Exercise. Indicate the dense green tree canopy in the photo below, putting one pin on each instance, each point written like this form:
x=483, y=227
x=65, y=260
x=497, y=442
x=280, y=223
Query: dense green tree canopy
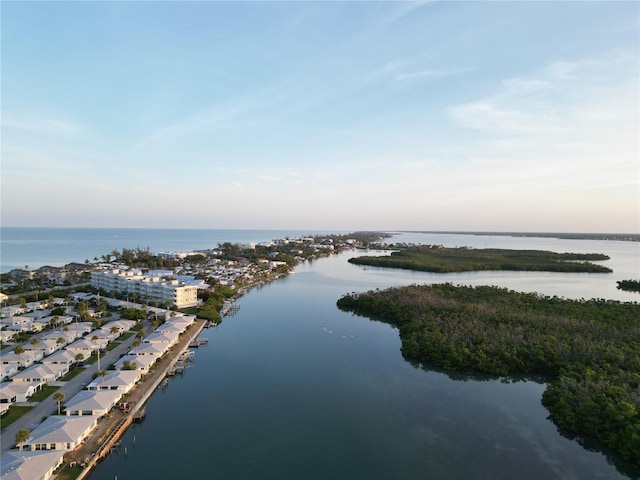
x=433, y=258
x=592, y=347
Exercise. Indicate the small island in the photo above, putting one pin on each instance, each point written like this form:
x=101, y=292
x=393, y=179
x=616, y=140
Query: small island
x=589, y=347
x=629, y=285
x=438, y=259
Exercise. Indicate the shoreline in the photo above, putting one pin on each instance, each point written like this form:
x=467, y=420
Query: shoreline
x=110, y=429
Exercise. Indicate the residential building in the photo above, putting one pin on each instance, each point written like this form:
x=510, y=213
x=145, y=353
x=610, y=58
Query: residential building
x=28, y=465
x=160, y=286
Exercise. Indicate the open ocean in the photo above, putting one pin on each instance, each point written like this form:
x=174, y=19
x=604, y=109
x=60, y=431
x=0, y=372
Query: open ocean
x=37, y=247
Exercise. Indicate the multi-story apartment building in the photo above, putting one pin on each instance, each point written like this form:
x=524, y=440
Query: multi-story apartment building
x=157, y=286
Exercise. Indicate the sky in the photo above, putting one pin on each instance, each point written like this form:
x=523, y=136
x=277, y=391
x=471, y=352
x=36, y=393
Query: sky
x=344, y=115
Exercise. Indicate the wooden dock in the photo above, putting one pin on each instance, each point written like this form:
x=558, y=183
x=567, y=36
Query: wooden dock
x=149, y=384
x=199, y=342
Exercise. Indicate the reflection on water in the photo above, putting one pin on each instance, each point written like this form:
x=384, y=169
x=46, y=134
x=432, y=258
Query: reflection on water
x=291, y=387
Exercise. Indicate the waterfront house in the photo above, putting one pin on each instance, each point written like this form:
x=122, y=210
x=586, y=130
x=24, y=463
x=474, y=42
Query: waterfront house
x=142, y=363
x=153, y=350
x=28, y=465
x=92, y=402
x=166, y=338
x=61, y=432
x=120, y=380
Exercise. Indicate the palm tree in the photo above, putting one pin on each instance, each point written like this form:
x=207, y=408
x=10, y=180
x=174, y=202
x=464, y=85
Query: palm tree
x=94, y=338
x=19, y=350
x=58, y=397
x=102, y=374
x=79, y=357
x=22, y=436
x=34, y=341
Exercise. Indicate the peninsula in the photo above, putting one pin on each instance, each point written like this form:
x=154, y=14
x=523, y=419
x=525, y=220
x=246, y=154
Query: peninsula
x=589, y=347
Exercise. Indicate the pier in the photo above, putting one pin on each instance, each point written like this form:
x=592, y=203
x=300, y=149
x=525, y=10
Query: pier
x=199, y=342
x=230, y=308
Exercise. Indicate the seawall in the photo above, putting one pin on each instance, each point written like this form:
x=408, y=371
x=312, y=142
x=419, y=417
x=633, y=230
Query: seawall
x=117, y=425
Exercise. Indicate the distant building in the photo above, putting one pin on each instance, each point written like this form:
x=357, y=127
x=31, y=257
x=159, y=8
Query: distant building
x=160, y=286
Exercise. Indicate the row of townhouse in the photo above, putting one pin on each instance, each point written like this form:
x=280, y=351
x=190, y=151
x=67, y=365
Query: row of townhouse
x=77, y=338
x=158, y=286
x=43, y=452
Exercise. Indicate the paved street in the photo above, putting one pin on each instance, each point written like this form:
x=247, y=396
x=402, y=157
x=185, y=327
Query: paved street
x=34, y=417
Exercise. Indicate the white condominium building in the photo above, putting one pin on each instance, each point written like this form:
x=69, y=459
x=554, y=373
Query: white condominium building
x=159, y=286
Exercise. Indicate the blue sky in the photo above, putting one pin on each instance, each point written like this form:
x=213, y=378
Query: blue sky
x=512, y=116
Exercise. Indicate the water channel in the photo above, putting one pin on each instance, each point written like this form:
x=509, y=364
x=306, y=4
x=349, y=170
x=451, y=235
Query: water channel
x=292, y=388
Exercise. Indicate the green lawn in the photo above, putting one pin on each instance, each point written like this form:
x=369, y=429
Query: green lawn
x=12, y=415
x=44, y=393
x=73, y=372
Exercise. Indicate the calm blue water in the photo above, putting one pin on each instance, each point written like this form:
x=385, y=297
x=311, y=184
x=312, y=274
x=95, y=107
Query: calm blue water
x=36, y=247
x=292, y=388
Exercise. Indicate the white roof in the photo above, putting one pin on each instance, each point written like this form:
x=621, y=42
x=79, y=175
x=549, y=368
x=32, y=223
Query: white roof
x=117, y=378
x=61, y=356
x=41, y=370
x=19, y=387
x=27, y=465
x=156, y=349
x=172, y=327
x=86, y=344
x=162, y=337
x=142, y=361
x=93, y=400
x=121, y=324
x=11, y=357
x=62, y=429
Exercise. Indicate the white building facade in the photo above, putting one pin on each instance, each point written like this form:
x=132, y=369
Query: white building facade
x=166, y=288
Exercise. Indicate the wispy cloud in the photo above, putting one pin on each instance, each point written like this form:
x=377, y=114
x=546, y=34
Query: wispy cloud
x=426, y=74
x=552, y=99
x=40, y=124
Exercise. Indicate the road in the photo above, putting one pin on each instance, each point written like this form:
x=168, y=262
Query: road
x=49, y=406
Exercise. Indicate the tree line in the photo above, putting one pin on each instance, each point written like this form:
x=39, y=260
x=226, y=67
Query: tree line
x=591, y=347
x=430, y=258
x=629, y=285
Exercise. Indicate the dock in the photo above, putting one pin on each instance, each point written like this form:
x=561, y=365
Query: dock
x=138, y=398
x=199, y=342
x=229, y=308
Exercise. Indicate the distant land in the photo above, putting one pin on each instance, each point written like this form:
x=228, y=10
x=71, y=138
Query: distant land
x=624, y=237
x=435, y=258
